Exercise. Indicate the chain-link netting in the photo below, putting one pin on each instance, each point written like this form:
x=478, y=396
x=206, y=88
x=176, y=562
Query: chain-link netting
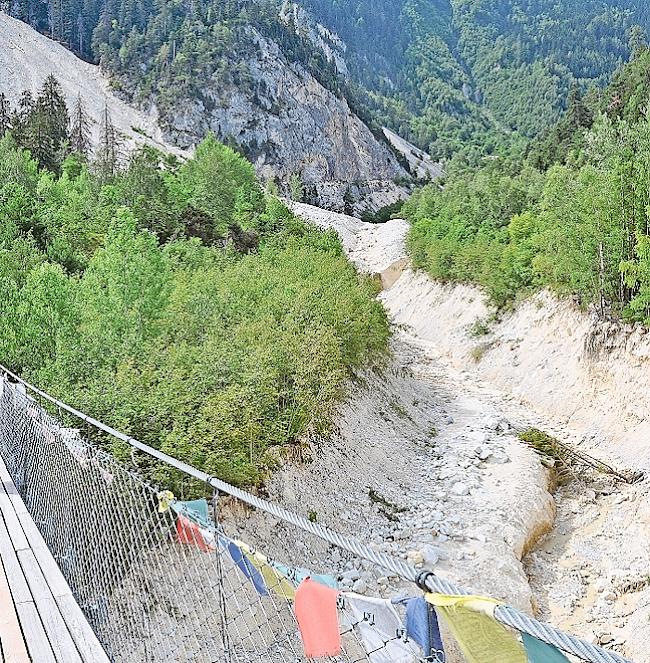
x=159, y=579
x=167, y=579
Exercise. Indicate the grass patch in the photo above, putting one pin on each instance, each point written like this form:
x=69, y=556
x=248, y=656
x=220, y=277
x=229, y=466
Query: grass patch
x=400, y=410
x=478, y=352
x=386, y=507
x=479, y=328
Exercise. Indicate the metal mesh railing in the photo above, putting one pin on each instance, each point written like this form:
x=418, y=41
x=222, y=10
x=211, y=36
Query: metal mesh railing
x=157, y=582
x=165, y=580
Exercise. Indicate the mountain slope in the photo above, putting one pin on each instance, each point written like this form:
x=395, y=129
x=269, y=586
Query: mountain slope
x=289, y=124
x=27, y=58
x=305, y=87
x=448, y=74
x=247, y=91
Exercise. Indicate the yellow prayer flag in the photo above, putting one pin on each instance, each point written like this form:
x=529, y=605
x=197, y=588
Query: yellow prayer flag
x=480, y=637
x=273, y=579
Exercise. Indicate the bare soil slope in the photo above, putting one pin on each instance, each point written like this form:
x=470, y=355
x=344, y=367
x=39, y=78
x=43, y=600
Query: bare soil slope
x=27, y=58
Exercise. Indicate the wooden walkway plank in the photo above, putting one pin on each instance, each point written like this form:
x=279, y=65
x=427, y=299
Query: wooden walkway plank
x=33, y=534
x=53, y=625
x=35, y=636
x=14, y=649
x=87, y=643
x=60, y=639
x=10, y=488
x=14, y=528
x=19, y=587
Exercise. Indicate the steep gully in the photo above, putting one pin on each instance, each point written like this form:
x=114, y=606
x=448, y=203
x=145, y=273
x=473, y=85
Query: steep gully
x=426, y=464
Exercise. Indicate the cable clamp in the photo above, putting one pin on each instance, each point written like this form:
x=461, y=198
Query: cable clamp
x=421, y=580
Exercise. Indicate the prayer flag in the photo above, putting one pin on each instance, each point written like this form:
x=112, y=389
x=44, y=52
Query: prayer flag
x=296, y=576
x=273, y=579
x=317, y=616
x=480, y=637
x=191, y=534
x=165, y=499
x=247, y=568
x=381, y=629
x=540, y=652
x=422, y=626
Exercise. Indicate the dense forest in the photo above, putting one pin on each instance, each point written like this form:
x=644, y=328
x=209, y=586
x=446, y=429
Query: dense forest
x=478, y=75
x=177, y=301
x=450, y=75
x=572, y=215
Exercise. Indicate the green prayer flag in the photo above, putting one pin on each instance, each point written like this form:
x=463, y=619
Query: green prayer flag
x=540, y=652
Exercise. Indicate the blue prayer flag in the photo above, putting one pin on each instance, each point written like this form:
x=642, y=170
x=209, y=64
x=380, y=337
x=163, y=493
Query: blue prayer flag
x=247, y=568
x=422, y=626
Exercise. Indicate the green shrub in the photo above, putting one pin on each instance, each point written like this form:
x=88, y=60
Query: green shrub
x=216, y=353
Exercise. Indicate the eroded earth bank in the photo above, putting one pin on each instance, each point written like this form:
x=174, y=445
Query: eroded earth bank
x=426, y=463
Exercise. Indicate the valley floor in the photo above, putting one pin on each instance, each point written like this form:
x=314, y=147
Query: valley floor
x=426, y=465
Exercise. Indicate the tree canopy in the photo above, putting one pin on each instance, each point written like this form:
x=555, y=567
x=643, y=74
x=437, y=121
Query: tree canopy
x=176, y=301
x=573, y=215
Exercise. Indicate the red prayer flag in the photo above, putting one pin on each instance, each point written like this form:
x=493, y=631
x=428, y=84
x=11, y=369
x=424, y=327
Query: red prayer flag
x=318, y=620
x=190, y=533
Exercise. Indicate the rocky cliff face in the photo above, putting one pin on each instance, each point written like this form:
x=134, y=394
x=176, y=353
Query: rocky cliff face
x=321, y=37
x=287, y=118
x=289, y=124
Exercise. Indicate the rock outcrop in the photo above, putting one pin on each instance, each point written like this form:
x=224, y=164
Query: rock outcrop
x=288, y=124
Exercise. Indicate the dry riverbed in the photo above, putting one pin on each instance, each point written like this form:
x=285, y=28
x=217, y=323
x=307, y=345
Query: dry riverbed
x=426, y=464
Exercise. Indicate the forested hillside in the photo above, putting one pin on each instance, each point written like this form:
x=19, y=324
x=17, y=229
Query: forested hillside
x=454, y=75
x=176, y=301
x=449, y=75
x=573, y=215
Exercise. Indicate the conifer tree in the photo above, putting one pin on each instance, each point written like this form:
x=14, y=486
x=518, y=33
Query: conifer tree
x=107, y=161
x=50, y=123
x=80, y=130
x=5, y=115
x=21, y=120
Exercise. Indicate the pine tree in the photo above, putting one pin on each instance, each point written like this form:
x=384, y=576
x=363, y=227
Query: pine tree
x=50, y=126
x=80, y=130
x=22, y=121
x=107, y=161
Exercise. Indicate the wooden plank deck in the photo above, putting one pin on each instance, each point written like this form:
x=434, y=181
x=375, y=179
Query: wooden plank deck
x=40, y=620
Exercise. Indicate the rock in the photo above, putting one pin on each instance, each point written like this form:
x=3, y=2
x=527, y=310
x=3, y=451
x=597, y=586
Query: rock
x=402, y=535
x=360, y=586
x=352, y=575
x=484, y=453
x=460, y=489
x=500, y=458
x=335, y=154
x=415, y=557
x=430, y=555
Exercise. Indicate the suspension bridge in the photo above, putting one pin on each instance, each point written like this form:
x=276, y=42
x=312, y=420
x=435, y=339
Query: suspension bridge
x=99, y=564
